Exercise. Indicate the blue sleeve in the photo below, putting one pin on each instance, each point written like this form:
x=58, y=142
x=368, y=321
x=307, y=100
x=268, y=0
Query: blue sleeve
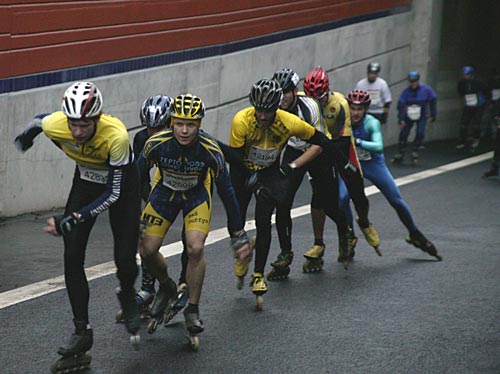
x=402, y=105
x=227, y=195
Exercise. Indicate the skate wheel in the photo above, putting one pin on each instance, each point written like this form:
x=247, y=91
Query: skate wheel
x=439, y=258
x=239, y=282
x=135, y=340
x=346, y=264
x=194, y=342
x=260, y=303
x=152, y=326
x=119, y=316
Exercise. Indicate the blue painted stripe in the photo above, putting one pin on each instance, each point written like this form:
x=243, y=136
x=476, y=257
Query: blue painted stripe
x=91, y=71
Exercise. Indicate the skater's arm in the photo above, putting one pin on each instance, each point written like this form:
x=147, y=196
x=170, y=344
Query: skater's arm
x=376, y=142
x=24, y=141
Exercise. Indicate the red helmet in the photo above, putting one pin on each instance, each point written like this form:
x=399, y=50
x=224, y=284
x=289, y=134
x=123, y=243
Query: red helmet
x=316, y=83
x=359, y=97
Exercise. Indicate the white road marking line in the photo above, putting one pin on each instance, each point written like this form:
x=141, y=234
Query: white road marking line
x=38, y=289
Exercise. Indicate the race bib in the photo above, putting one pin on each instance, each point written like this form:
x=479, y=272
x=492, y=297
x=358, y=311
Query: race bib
x=179, y=182
x=495, y=94
x=375, y=96
x=93, y=175
x=414, y=112
x=298, y=143
x=363, y=154
x=471, y=100
x=263, y=156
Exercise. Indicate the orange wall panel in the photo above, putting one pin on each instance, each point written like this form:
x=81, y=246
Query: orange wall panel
x=44, y=36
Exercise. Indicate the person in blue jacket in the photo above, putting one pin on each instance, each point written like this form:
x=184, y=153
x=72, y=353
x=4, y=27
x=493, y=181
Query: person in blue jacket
x=367, y=133
x=416, y=104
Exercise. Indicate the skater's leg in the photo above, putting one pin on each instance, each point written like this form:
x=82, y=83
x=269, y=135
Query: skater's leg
x=195, y=271
x=184, y=258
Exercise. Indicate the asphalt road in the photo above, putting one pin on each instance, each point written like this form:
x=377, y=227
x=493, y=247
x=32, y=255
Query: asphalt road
x=403, y=312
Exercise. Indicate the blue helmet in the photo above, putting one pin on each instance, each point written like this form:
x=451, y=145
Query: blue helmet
x=467, y=70
x=413, y=76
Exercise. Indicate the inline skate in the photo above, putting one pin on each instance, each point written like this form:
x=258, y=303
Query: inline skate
x=371, y=236
x=241, y=266
x=259, y=288
x=281, y=266
x=418, y=240
x=165, y=299
x=179, y=304
x=415, y=158
x=74, y=355
x=131, y=316
x=194, y=326
x=143, y=298
x=314, y=259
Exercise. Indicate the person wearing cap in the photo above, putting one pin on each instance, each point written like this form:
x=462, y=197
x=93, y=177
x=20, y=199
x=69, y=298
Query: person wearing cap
x=379, y=91
x=473, y=94
x=416, y=104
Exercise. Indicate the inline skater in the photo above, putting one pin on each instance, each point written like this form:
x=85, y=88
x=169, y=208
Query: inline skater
x=416, y=103
x=473, y=93
x=325, y=189
x=155, y=117
x=188, y=163
x=259, y=134
x=106, y=177
x=378, y=90
x=338, y=124
x=368, y=137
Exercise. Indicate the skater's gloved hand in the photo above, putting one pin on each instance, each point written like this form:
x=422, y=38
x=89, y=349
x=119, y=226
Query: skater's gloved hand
x=241, y=245
x=287, y=169
x=61, y=225
x=383, y=118
x=253, y=185
x=358, y=141
x=23, y=143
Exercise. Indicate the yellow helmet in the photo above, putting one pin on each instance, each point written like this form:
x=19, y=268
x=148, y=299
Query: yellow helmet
x=187, y=107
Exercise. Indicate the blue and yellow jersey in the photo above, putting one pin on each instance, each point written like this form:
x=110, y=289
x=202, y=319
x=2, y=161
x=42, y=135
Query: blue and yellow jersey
x=182, y=168
x=109, y=146
x=337, y=116
x=263, y=145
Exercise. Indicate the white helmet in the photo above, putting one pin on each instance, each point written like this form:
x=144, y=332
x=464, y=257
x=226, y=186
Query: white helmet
x=82, y=100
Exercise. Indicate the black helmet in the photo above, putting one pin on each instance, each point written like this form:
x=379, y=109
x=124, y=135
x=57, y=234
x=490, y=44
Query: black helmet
x=287, y=79
x=155, y=111
x=265, y=94
x=373, y=67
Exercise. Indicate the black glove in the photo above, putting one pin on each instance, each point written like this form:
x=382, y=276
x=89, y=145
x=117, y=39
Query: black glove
x=383, y=118
x=64, y=224
x=253, y=185
x=239, y=240
x=23, y=142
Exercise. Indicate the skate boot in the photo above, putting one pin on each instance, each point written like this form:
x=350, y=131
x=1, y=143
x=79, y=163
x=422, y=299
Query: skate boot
x=281, y=266
x=474, y=143
x=420, y=241
x=241, y=267
x=314, y=259
x=143, y=298
x=74, y=356
x=415, y=158
x=493, y=172
x=164, y=300
x=398, y=158
x=347, y=243
x=259, y=288
x=371, y=237
x=180, y=302
x=194, y=326
x=131, y=316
